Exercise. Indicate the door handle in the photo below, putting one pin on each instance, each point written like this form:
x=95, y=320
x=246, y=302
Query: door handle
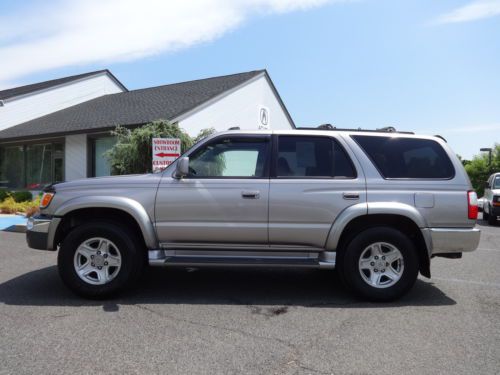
x=350, y=195
x=250, y=194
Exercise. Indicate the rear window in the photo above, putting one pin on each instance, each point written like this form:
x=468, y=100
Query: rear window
x=407, y=157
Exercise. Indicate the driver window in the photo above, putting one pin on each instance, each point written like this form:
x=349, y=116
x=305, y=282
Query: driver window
x=230, y=157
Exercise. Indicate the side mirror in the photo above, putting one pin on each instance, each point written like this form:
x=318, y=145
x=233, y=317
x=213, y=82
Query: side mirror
x=182, y=167
x=487, y=185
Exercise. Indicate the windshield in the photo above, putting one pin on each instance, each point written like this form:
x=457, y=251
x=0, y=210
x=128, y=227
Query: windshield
x=496, y=182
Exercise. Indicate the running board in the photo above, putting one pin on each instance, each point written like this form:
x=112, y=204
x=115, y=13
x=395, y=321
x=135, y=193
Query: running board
x=214, y=258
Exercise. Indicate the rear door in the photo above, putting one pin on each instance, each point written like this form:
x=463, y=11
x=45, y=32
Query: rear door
x=313, y=180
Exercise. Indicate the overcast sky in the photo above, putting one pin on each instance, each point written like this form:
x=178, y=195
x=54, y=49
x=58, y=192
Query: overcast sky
x=422, y=65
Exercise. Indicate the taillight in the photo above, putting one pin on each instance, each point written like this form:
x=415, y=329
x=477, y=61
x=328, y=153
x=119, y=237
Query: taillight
x=496, y=201
x=472, y=204
x=46, y=199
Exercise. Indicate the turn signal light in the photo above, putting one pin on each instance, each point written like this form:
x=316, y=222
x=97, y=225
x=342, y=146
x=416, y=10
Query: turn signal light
x=472, y=204
x=46, y=199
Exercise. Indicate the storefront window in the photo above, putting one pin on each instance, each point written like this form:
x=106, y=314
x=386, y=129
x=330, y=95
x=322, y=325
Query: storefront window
x=100, y=162
x=11, y=166
x=31, y=166
x=38, y=165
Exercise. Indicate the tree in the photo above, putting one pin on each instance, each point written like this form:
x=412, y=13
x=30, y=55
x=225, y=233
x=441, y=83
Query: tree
x=479, y=169
x=132, y=152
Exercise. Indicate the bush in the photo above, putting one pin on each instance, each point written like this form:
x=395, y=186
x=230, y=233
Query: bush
x=29, y=208
x=4, y=193
x=22, y=196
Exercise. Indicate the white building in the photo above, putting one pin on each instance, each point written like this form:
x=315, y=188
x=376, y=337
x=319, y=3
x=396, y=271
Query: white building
x=58, y=130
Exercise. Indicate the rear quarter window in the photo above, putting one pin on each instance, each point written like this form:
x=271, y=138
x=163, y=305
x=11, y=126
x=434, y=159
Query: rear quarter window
x=407, y=157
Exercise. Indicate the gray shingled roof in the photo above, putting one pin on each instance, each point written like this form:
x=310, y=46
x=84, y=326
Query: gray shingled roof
x=129, y=108
x=23, y=90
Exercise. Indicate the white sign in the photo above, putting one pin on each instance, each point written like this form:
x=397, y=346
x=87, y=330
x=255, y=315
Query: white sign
x=264, y=120
x=165, y=151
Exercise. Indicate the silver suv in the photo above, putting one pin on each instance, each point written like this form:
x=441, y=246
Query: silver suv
x=377, y=206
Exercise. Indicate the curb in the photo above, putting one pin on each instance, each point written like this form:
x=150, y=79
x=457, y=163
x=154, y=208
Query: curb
x=17, y=228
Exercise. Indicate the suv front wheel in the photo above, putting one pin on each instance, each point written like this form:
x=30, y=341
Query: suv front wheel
x=97, y=260
x=380, y=264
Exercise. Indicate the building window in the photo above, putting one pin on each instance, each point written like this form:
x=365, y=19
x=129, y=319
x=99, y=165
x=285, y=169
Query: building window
x=31, y=166
x=12, y=166
x=100, y=163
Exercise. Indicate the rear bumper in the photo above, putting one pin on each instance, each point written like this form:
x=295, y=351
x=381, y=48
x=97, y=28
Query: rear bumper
x=38, y=232
x=451, y=240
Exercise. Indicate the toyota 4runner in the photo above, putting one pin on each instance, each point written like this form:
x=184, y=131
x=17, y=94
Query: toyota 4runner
x=375, y=205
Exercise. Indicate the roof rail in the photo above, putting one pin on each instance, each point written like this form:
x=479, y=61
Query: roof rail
x=387, y=129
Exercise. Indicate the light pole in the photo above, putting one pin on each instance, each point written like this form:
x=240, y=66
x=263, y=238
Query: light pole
x=489, y=150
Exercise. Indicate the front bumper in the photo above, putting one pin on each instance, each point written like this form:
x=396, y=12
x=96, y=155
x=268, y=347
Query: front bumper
x=451, y=240
x=38, y=232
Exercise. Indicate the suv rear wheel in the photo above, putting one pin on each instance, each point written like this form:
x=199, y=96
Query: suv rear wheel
x=97, y=260
x=380, y=264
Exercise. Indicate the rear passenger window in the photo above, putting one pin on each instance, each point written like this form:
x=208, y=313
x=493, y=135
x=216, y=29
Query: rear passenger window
x=320, y=157
x=407, y=157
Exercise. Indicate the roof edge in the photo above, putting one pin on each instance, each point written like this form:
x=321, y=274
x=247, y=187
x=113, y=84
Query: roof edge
x=90, y=74
x=116, y=80
x=280, y=101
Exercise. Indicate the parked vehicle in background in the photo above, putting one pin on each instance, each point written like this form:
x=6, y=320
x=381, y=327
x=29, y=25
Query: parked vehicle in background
x=376, y=205
x=491, y=209
x=480, y=204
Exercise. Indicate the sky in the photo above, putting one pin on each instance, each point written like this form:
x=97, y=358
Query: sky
x=432, y=67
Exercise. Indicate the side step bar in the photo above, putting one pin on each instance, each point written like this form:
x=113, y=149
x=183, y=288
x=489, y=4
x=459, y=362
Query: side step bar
x=186, y=258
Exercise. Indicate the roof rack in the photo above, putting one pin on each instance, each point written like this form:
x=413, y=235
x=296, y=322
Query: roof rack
x=387, y=129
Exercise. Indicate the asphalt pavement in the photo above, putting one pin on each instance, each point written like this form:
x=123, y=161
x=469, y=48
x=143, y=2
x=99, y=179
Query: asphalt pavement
x=250, y=321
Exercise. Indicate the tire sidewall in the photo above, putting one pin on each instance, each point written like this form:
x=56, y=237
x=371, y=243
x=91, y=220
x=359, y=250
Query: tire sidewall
x=124, y=241
x=350, y=263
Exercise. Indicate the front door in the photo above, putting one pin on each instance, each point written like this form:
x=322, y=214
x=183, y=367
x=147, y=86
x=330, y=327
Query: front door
x=313, y=181
x=223, y=200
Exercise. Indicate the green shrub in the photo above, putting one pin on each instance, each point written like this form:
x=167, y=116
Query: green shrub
x=4, y=193
x=22, y=196
x=10, y=206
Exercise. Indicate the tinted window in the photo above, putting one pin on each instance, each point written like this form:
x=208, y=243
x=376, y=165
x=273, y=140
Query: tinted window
x=407, y=157
x=312, y=157
x=230, y=157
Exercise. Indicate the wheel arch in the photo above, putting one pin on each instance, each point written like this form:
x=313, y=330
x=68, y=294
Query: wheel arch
x=344, y=230
x=118, y=209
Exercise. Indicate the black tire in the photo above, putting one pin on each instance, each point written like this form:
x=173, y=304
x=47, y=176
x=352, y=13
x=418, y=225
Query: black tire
x=486, y=216
x=132, y=253
x=350, y=270
x=492, y=219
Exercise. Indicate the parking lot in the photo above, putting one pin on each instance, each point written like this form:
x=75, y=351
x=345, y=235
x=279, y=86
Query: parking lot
x=221, y=321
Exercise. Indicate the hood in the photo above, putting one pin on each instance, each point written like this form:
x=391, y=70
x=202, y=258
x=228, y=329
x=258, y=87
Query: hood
x=136, y=180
